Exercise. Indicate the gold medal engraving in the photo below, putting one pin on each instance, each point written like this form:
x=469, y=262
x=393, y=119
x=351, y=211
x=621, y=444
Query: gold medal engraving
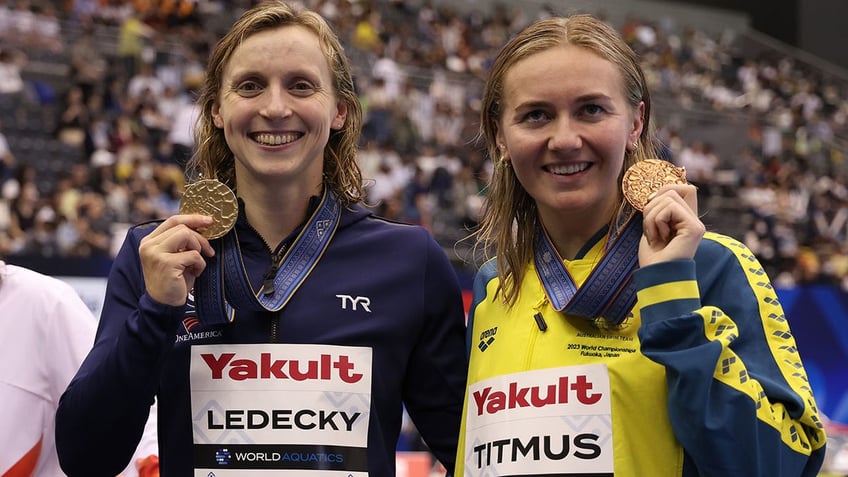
x=213, y=198
x=645, y=178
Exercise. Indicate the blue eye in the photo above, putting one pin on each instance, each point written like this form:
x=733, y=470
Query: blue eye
x=303, y=88
x=593, y=109
x=248, y=88
x=537, y=115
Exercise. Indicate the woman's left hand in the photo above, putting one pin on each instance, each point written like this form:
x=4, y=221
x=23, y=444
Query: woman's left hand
x=671, y=229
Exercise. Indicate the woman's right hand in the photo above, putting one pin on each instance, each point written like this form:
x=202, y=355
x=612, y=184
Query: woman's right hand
x=172, y=257
x=670, y=224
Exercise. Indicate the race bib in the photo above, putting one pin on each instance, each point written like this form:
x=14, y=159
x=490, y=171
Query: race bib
x=280, y=409
x=552, y=422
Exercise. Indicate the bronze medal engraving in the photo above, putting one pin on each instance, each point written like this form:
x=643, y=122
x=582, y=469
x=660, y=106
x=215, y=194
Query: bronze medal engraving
x=213, y=198
x=645, y=178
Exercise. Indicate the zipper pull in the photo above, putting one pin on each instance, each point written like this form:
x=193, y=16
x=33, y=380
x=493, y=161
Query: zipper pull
x=540, y=322
x=271, y=274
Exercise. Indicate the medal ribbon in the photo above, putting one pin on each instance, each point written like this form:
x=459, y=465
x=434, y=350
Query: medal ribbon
x=217, y=299
x=608, y=292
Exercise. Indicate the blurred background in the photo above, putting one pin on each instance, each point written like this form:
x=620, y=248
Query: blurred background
x=96, y=109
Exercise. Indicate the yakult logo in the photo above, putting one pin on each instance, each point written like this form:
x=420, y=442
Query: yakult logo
x=326, y=367
x=567, y=388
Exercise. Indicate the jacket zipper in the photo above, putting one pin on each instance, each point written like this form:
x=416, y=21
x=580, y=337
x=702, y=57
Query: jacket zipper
x=271, y=274
x=268, y=282
x=541, y=326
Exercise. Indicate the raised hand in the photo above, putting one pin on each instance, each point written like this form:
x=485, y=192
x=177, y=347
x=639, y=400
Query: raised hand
x=172, y=257
x=671, y=227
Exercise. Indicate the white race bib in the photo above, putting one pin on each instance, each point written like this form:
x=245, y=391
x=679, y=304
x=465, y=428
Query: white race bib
x=272, y=409
x=552, y=422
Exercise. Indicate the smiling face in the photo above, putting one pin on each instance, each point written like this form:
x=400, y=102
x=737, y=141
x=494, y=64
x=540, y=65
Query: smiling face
x=565, y=125
x=277, y=107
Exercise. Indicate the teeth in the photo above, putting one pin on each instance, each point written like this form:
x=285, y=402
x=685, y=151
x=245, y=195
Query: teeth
x=568, y=168
x=275, y=139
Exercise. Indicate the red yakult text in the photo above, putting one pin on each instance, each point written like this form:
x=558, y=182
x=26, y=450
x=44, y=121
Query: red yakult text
x=578, y=387
x=326, y=367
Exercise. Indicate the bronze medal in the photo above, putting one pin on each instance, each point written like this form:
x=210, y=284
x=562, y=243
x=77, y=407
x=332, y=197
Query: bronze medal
x=645, y=178
x=213, y=198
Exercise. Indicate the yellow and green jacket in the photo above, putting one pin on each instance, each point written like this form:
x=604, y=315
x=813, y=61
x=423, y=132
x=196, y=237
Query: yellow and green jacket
x=704, y=375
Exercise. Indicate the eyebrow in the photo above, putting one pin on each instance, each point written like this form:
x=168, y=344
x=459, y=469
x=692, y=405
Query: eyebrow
x=586, y=98
x=593, y=97
x=531, y=104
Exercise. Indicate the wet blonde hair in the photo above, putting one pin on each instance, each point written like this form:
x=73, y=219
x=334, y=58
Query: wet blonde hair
x=213, y=157
x=508, y=225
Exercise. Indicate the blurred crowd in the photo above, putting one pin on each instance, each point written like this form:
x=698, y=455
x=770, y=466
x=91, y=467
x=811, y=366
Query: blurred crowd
x=96, y=111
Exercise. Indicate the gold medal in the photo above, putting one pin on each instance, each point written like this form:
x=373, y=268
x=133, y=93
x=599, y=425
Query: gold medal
x=644, y=178
x=213, y=198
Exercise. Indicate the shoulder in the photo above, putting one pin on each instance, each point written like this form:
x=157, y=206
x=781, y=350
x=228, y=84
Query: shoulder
x=39, y=291
x=24, y=280
x=725, y=263
x=716, y=241
x=133, y=237
x=719, y=250
x=138, y=231
x=487, y=272
x=383, y=231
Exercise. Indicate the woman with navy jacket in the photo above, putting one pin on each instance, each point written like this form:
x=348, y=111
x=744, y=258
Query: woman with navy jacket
x=291, y=344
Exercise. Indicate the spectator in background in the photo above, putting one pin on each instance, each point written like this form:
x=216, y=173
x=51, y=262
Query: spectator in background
x=416, y=205
x=74, y=118
x=88, y=64
x=46, y=29
x=133, y=38
x=181, y=129
x=94, y=227
x=7, y=158
x=700, y=161
x=378, y=112
x=145, y=82
x=12, y=62
x=23, y=210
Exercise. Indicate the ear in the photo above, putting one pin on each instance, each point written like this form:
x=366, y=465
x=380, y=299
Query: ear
x=216, y=116
x=638, y=125
x=340, y=117
x=500, y=141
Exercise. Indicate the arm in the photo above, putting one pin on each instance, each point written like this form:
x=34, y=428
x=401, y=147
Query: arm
x=738, y=396
x=435, y=385
x=145, y=460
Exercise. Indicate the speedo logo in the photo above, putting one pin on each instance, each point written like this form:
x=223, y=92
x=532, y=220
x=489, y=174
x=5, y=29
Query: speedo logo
x=487, y=338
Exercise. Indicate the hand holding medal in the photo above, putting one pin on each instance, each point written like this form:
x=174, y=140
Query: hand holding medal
x=172, y=256
x=671, y=227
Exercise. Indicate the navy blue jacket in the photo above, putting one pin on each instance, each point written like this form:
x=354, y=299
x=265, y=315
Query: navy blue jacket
x=415, y=329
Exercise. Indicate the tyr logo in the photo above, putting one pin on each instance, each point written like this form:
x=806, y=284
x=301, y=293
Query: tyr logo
x=355, y=302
